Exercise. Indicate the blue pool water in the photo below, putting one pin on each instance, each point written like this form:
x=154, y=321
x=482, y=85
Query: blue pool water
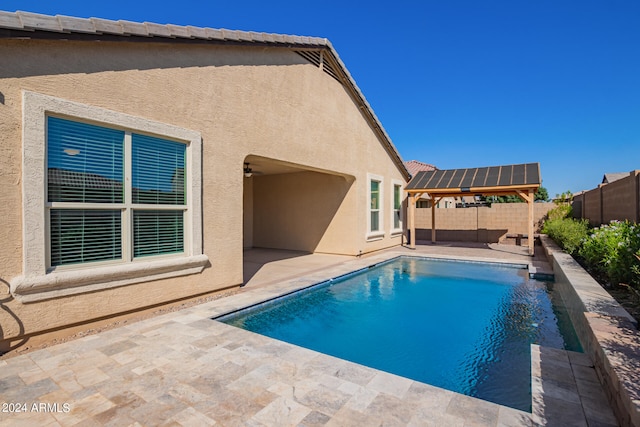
x=463, y=326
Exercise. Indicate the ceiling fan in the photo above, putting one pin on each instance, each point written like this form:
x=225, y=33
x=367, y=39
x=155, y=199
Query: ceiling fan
x=248, y=171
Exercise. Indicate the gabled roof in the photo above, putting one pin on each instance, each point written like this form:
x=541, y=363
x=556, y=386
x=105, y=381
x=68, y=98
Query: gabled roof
x=493, y=179
x=415, y=166
x=318, y=51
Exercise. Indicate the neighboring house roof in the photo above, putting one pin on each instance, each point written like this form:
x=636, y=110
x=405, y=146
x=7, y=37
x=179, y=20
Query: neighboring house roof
x=67, y=178
x=414, y=166
x=318, y=51
x=610, y=177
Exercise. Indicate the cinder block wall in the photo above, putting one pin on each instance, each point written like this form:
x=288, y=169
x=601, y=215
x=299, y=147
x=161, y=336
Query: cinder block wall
x=592, y=206
x=618, y=200
x=484, y=224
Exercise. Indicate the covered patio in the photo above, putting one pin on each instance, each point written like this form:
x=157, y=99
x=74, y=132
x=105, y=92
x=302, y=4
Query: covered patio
x=522, y=180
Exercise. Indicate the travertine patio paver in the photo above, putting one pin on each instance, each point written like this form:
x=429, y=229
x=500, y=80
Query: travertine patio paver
x=182, y=368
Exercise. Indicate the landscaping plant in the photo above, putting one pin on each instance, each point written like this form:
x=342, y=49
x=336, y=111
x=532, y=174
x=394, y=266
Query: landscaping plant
x=610, y=252
x=567, y=232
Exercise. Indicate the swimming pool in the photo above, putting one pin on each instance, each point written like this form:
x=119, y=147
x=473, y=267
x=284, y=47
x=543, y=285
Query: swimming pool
x=463, y=326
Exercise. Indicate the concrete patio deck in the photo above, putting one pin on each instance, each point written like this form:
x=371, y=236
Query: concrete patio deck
x=183, y=368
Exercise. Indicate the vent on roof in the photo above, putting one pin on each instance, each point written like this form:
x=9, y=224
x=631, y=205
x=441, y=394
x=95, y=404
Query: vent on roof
x=320, y=60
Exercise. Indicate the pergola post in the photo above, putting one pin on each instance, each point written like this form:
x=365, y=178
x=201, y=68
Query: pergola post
x=412, y=221
x=434, y=202
x=529, y=197
x=433, y=220
x=531, y=240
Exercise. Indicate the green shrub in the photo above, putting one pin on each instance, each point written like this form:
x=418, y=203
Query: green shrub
x=563, y=207
x=566, y=232
x=610, y=252
x=560, y=212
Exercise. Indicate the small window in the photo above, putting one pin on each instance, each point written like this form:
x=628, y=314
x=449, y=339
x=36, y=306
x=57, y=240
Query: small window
x=397, y=205
x=375, y=206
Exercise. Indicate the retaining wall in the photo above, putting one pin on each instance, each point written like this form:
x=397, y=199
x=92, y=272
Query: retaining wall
x=608, y=334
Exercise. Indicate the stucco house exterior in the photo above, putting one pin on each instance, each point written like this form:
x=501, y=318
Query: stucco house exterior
x=139, y=160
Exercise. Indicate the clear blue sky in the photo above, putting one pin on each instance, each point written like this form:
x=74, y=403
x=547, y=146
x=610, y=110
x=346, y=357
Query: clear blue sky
x=461, y=83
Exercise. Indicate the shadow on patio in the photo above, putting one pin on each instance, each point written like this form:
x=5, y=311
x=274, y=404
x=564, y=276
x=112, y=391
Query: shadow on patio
x=262, y=266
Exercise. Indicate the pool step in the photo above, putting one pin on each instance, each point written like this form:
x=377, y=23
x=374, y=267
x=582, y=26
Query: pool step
x=540, y=274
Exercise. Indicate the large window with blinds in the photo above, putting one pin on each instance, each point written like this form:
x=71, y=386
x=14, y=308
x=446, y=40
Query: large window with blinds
x=113, y=195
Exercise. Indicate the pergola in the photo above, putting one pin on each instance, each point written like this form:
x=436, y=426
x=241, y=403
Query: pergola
x=522, y=180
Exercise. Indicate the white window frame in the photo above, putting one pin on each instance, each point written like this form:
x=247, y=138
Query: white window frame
x=39, y=281
x=377, y=234
x=396, y=230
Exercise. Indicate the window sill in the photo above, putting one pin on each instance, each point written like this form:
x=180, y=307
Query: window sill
x=73, y=282
x=396, y=233
x=378, y=235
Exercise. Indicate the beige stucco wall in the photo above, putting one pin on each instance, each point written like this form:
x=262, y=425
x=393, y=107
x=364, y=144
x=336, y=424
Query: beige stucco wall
x=285, y=203
x=244, y=101
x=247, y=214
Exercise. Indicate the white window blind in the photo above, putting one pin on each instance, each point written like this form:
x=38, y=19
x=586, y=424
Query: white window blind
x=85, y=162
x=157, y=170
x=157, y=232
x=81, y=235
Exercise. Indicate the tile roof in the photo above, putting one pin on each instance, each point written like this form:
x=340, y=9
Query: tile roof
x=415, y=166
x=27, y=21
x=26, y=24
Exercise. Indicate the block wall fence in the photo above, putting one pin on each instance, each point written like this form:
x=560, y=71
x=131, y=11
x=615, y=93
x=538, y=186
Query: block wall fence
x=479, y=224
x=618, y=200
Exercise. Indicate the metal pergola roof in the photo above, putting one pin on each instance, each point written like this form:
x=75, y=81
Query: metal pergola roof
x=522, y=180
x=493, y=180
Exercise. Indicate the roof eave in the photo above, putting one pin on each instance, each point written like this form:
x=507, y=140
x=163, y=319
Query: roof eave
x=512, y=189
